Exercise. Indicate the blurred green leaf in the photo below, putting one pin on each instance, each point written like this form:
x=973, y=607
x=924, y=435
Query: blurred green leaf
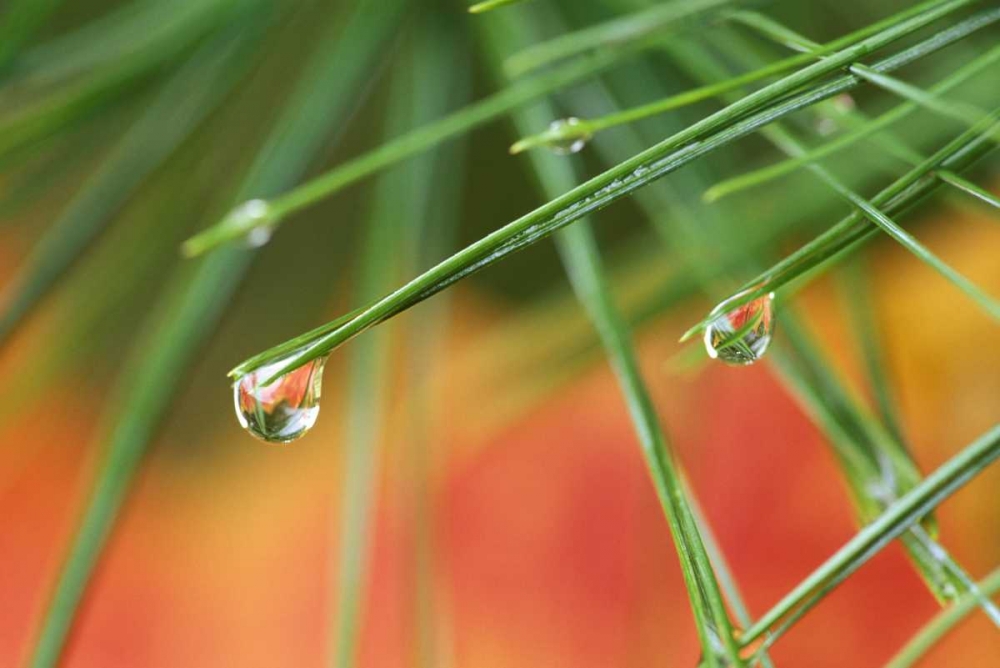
x=616, y=31
x=194, y=299
x=18, y=23
x=578, y=250
x=399, y=200
x=107, y=59
x=170, y=118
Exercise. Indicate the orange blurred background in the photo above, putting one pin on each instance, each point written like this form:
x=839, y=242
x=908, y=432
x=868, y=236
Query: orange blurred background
x=550, y=546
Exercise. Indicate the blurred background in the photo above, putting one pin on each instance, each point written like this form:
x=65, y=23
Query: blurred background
x=512, y=521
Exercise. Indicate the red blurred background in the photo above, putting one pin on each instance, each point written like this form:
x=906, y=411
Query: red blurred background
x=550, y=546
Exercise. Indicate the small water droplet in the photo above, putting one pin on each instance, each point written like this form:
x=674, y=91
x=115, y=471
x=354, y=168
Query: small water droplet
x=252, y=217
x=284, y=410
x=741, y=336
x=949, y=591
x=568, y=145
x=258, y=236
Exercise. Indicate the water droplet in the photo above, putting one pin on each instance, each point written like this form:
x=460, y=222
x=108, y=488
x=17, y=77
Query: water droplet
x=949, y=591
x=284, y=410
x=741, y=336
x=252, y=217
x=258, y=236
x=567, y=145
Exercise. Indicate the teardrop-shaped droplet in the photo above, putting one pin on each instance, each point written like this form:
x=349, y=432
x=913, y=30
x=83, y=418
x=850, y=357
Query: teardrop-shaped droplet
x=741, y=336
x=567, y=145
x=283, y=410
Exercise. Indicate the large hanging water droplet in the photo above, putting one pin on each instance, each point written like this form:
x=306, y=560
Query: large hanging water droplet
x=741, y=336
x=571, y=144
x=284, y=410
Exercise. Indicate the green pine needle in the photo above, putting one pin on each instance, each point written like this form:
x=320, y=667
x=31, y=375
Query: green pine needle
x=489, y=5
x=719, y=129
x=928, y=636
x=968, y=187
x=588, y=127
x=193, y=303
x=819, y=254
x=613, y=33
x=171, y=117
x=188, y=54
x=916, y=503
x=863, y=130
x=408, y=145
x=411, y=102
x=580, y=257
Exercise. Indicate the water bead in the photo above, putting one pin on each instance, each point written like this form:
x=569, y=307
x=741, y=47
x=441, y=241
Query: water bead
x=568, y=145
x=258, y=236
x=284, y=410
x=742, y=335
x=252, y=217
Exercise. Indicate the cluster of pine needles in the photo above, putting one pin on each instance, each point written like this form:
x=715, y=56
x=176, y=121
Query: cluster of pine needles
x=641, y=89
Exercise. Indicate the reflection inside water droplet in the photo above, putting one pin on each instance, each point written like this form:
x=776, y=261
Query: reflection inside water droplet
x=567, y=145
x=284, y=410
x=741, y=335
